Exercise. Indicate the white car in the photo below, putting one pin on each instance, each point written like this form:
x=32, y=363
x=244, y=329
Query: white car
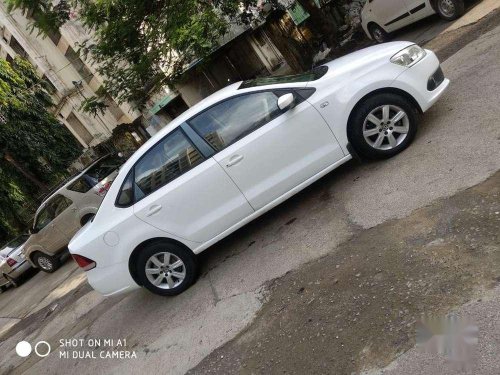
x=381, y=17
x=244, y=150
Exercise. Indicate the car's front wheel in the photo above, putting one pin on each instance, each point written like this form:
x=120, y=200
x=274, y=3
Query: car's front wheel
x=383, y=126
x=166, y=269
x=46, y=262
x=450, y=10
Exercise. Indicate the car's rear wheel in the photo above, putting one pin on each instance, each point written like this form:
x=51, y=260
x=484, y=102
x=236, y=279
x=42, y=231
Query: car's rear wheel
x=383, y=126
x=13, y=281
x=378, y=34
x=166, y=269
x=450, y=9
x=46, y=262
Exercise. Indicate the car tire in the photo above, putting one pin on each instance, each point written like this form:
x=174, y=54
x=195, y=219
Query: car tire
x=378, y=34
x=450, y=10
x=397, y=126
x=156, y=269
x=46, y=263
x=13, y=281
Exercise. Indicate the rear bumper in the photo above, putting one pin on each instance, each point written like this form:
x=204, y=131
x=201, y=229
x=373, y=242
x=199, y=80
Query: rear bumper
x=415, y=81
x=112, y=280
x=22, y=268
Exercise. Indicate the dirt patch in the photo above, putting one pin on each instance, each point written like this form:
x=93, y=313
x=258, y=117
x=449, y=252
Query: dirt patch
x=357, y=307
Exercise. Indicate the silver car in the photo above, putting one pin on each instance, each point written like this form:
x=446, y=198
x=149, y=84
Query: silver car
x=66, y=210
x=13, y=264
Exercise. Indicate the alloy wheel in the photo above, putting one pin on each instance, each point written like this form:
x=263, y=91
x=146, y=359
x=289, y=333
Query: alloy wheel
x=165, y=270
x=386, y=127
x=45, y=263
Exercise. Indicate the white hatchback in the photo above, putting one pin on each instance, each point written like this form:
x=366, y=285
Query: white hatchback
x=381, y=17
x=244, y=150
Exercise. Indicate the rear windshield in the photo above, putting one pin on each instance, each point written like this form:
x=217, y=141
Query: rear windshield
x=12, y=245
x=96, y=174
x=312, y=75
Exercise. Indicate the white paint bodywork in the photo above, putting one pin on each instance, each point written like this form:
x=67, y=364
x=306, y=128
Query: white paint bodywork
x=274, y=162
x=385, y=13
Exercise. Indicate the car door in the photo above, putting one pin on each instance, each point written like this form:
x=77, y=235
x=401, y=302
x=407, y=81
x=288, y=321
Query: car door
x=66, y=217
x=46, y=234
x=180, y=191
x=265, y=150
x=419, y=9
x=390, y=14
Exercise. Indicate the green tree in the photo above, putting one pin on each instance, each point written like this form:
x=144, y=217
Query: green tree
x=35, y=149
x=139, y=46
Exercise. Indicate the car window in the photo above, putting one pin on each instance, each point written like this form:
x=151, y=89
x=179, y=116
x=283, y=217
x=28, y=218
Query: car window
x=61, y=203
x=166, y=161
x=44, y=217
x=97, y=173
x=81, y=185
x=231, y=120
x=104, y=168
x=53, y=208
x=126, y=195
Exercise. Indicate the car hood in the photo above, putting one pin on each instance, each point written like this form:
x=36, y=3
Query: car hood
x=366, y=59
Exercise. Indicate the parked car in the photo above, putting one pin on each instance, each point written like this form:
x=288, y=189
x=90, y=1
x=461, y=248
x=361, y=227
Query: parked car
x=379, y=18
x=13, y=264
x=73, y=204
x=244, y=150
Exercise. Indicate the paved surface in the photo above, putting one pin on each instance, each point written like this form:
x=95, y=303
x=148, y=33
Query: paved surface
x=356, y=308
x=457, y=147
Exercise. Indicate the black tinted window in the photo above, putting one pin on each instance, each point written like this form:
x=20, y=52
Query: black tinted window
x=233, y=119
x=80, y=186
x=126, y=195
x=166, y=161
x=96, y=174
x=104, y=168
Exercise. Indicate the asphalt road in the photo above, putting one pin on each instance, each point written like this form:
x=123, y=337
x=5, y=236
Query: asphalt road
x=456, y=148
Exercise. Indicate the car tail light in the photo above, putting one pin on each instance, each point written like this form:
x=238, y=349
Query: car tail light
x=11, y=262
x=103, y=189
x=85, y=263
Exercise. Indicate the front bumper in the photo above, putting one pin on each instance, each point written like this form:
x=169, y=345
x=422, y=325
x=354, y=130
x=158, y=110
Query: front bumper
x=415, y=81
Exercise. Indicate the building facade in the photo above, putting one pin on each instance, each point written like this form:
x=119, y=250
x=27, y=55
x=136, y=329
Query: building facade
x=71, y=79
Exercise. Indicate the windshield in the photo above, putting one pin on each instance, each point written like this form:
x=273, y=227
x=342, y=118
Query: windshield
x=312, y=75
x=97, y=173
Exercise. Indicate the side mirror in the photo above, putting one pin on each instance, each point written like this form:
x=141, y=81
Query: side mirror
x=286, y=101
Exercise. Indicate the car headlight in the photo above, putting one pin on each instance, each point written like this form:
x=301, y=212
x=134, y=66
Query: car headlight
x=409, y=56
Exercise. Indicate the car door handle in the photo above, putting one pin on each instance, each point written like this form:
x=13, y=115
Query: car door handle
x=153, y=210
x=234, y=160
